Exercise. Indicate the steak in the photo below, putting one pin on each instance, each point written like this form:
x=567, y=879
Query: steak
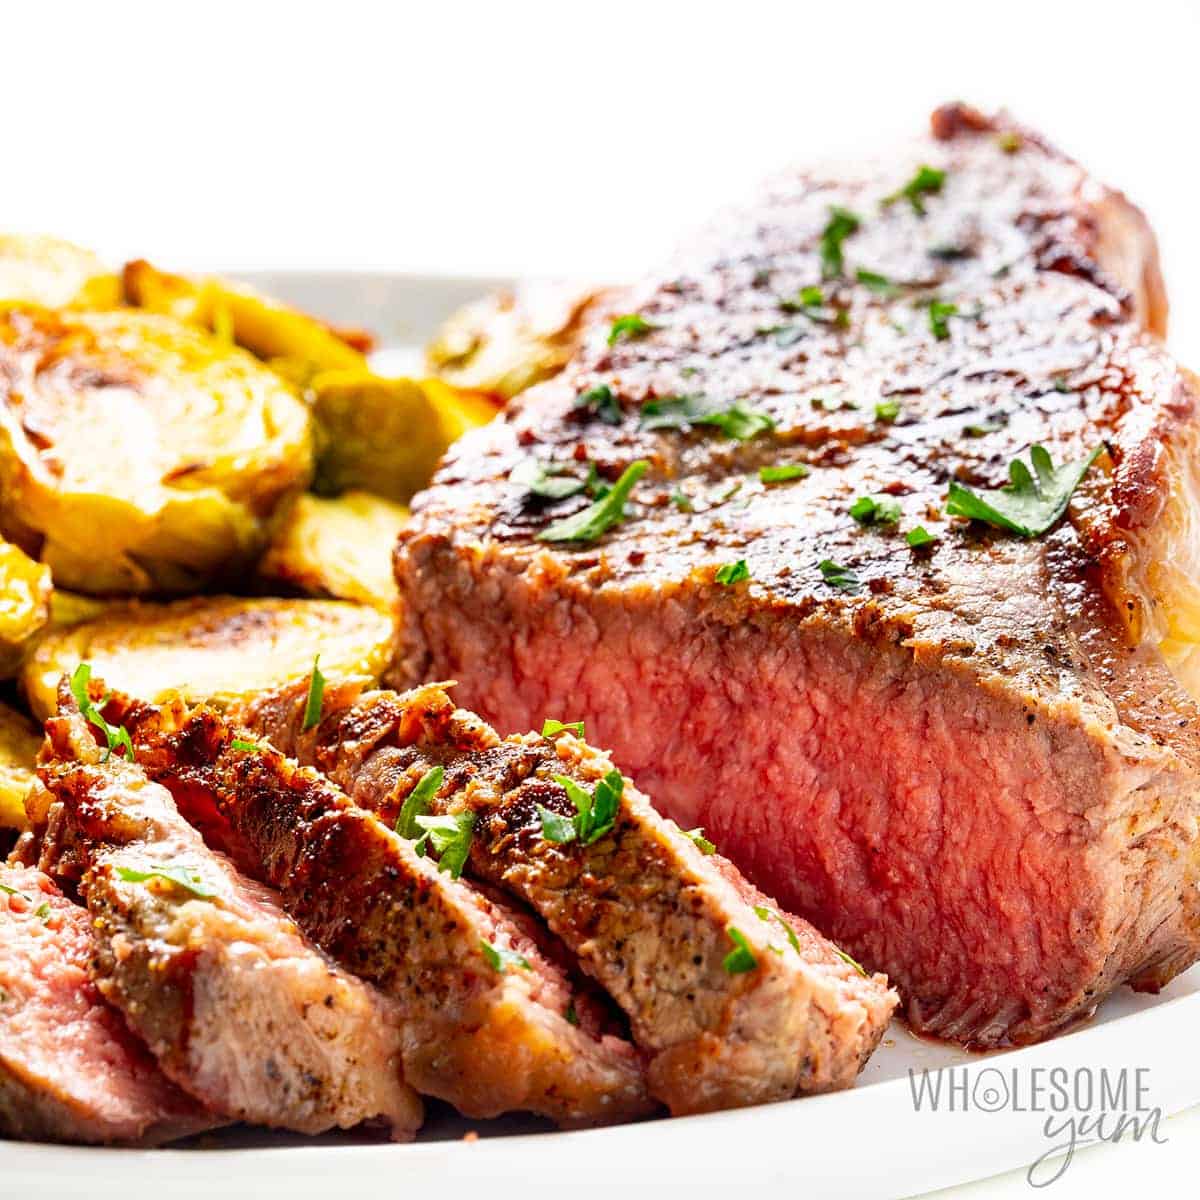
x=237, y=1007
x=492, y=1021
x=70, y=1070
x=967, y=755
x=733, y=1001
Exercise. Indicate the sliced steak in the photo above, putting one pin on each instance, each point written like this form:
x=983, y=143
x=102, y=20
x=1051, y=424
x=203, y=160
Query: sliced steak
x=734, y=1001
x=70, y=1070
x=970, y=761
x=237, y=1007
x=492, y=1020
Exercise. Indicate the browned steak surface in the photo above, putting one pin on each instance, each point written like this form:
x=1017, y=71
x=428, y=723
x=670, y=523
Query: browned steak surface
x=492, y=1019
x=734, y=1001
x=972, y=763
x=237, y=1006
x=70, y=1070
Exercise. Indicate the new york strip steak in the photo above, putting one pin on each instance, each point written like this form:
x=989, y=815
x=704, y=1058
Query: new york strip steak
x=964, y=749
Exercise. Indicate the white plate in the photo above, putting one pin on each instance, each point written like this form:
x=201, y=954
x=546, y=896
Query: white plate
x=871, y=1141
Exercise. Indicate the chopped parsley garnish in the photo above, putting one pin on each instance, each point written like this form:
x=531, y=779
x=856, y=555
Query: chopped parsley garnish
x=500, y=959
x=919, y=537
x=925, y=182
x=939, y=315
x=181, y=875
x=731, y=573
x=682, y=501
x=741, y=958
x=601, y=515
x=838, y=576
x=847, y=959
x=631, y=325
x=1031, y=502
x=878, y=510
x=449, y=836
x=842, y=223
x=595, y=811
x=600, y=402
x=702, y=843
x=247, y=747
x=881, y=285
x=783, y=473
x=806, y=298
x=681, y=412
x=416, y=803
x=316, y=697
x=982, y=429
x=552, y=728
x=769, y=914
x=887, y=410
x=117, y=736
x=571, y=1015
x=550, y=481
x=42, y=912
x=11, y=891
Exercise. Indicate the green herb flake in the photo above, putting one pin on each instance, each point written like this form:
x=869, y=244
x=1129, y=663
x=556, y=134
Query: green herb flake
x=735, y=420
x=741, y=958
x=853, y=962
x=595, y=811
x=11, y=891
x=731, y=573
x=806, y=298
x=919, y=537
x=842, y=223
x=572, y=1015
x=939, y=315
x=552, y=728
x=42, y=912
x=949, y=252
x=416, y=803
x=887, y=411
x=1031, y=502
x=631, y=326
x=599, y=516
x=702, y=843
x=881, y=285
x=783, y=473
x=450, y=838
x=875, y=510
x=550, y=481
x=982, y=429
x=682, y=501
x=316, y=697
x=925, y=182
x=500, y=959
x=838, y=576
x=247, y=747
x=768, y=915
x=601, y=403
x=182, y=876
x=555, y=827
x=116, y=736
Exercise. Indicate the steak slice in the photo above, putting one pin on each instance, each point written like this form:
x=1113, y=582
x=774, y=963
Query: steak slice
x=70, y=1070
x=974, y=762
x=238, y=1008
x=492, y=1020
x=735, y=1002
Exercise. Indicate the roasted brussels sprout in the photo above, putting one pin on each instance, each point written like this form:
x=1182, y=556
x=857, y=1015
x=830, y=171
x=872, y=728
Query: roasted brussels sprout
x=19, y=743
x=222, y=649
x=24, y=604
x=45, y=270
x=340, y=548
x=509, y=341
x=139, y=455
x=266, y=327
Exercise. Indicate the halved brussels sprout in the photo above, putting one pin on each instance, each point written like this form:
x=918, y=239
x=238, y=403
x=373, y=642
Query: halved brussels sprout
x=19, y=744
x=265, y=326
x=24, y=604
x=341, y=548
x=509, y=341
x=138, y=455
x=223, y=649
x=45, y=270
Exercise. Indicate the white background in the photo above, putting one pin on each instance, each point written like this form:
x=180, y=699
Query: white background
x=576, y=139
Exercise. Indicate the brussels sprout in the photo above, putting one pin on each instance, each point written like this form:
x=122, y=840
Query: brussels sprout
x=509, y=341
x=49, y=271
x=222, y=649
x=19, y=744
x=341, y=548
x=24, y=604
x=138, y=454
x=266, y=327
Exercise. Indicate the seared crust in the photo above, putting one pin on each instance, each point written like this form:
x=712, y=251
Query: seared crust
x=648, y=914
